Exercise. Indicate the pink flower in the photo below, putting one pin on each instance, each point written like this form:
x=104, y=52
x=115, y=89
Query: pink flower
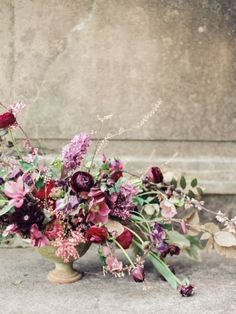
x=113, y=264
x=98, y=209
x=16, y=191
x=168, y=209
x=37, y=237
x=11, y=229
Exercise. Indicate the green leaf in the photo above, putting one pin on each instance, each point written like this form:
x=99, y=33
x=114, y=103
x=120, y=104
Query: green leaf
x=5, y=209
x=199, y=190
x=194, y=183
x=2, y=203
x=191, y=194
x=139, y=200
x=182, y=182
x=39, y=183
x=194, y=251
x=56, y=168
x=26, y=166
x=178, y=239
x=174, y=182
x=163, y=269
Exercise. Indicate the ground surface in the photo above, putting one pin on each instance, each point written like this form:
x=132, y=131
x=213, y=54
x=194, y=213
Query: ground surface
x=24, y=288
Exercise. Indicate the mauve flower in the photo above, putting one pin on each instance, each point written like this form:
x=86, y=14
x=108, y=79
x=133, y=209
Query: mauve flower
x=81, y=182
x=96, y=234
x=138, y=273
x=186, y=290
x=16, y=191
x=74, y=152
x=168, y=209
x=125, y=239
x=37, y=237
x=154, y=175
x=15, y=174
x=115, y=169
x=45, y=191
x=7, y=119
x=113, y=264
x=98, y=209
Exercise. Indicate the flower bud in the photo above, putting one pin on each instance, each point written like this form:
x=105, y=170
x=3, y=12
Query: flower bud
x=138, y=274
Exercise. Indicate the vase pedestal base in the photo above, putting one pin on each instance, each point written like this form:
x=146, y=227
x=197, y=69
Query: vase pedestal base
x=64, y=274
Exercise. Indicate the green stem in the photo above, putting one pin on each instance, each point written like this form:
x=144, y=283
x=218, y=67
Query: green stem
x=145, y=220
x=14, y=143
x=123, y=250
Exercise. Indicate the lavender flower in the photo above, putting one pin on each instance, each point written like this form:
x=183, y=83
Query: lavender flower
x=74, y=152
x=158, y=233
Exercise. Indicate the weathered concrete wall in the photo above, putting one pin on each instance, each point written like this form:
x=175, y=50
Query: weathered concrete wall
x=73, y=59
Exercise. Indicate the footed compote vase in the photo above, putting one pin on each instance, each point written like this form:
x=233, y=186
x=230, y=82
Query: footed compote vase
x=63, y=272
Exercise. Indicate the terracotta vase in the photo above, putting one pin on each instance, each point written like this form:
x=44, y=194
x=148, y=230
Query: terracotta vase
x=63, y=272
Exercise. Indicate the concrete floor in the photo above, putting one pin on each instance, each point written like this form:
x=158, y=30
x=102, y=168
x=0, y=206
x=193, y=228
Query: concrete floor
x=24, y=288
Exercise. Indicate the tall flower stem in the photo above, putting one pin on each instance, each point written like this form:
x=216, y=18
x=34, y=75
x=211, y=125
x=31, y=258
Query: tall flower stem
x=123, y=250
x=14, y=143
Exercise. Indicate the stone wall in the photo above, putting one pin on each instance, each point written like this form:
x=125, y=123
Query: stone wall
x=71, y=60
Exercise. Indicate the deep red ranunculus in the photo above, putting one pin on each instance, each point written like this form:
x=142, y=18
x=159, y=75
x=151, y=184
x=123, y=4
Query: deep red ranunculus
x=7, y=119
x=154, y=175
x=125, y=239
x=81, y=182
x=96, y=234
x=45, y=191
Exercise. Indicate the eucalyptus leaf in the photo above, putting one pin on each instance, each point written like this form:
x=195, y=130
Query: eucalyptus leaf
x=194, y=183
x=182, y=182
x=26, y=166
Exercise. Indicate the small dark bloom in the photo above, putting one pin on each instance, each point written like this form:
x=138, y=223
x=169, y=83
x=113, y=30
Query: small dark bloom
x=96, y=234
x=7, y=119
x=9, y=144
x=81, y=182
x=186, y=290
x=138, y=274
x=154, y=175
x=158, y=233
x=174, y=250
x=125, y=239
x=26, y=216
x=1, y=181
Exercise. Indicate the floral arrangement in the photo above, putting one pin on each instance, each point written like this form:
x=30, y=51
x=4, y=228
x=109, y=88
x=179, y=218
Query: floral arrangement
x=76, y=199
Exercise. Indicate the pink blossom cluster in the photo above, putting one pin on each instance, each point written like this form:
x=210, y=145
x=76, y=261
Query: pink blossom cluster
x=74, y=152
x=66, y=248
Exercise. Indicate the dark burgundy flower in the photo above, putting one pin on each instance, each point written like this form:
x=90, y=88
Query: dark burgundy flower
x=174, y=250
x=96, y=234
x=26, y=216
x=7, y=119
x=81, y=182
x=186, y=290
x=154, y=175
x=125, y=239
x=45, y=191
x=138, y=274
